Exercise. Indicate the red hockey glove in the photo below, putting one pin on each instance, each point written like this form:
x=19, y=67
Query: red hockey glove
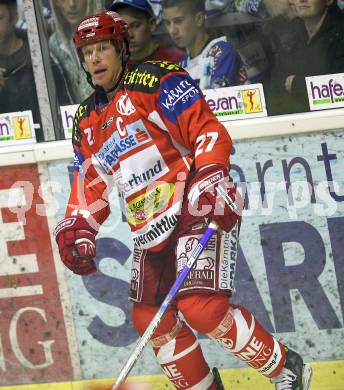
x=212, y=194
x=76, y=241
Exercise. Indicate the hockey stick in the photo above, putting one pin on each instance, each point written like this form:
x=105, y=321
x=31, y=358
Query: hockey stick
x=212, y=227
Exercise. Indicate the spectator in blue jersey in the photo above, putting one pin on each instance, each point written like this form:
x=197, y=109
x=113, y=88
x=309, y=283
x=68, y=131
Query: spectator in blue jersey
x=212, y=62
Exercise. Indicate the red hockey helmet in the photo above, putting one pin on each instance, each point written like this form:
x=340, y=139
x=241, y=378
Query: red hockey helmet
x=101, y=27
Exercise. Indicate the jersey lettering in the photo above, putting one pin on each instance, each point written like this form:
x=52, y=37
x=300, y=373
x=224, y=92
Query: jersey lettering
x=89, y=134
x=122, y=132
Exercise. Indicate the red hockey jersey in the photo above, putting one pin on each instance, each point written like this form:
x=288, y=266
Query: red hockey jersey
x=144, y=142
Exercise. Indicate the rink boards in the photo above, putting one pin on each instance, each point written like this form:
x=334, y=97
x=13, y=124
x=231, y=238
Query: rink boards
x=56, y=327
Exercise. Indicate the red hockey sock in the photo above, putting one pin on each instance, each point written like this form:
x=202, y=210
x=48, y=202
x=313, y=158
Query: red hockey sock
x=177, y=349
x=236, y=329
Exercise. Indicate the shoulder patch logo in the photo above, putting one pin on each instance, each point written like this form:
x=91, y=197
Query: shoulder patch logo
x=171, y=66
x=80, y=113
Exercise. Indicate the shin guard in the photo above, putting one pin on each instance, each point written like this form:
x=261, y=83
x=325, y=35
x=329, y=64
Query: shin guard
x=177, y=350
x=244, y=336
x=181, y=358
x=234, y=328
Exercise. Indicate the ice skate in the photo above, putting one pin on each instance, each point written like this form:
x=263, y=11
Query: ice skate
x=295, y=375
x=218, y=380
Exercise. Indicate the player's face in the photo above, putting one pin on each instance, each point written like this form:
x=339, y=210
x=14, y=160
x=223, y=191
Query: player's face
x=140, y=31
x=103, y=63
x=311, y=8
x=72, y=10
x=6, y=23
x=180, y=25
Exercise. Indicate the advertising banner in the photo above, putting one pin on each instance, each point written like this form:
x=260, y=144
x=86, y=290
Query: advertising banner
x=239, y=102
x=17, y=128
x=325, y=91
x=67, y=115
x=290, y=267
x=229, y=103
x=33, y=341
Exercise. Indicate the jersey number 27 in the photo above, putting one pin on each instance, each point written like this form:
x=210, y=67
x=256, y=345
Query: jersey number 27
x=206, y=142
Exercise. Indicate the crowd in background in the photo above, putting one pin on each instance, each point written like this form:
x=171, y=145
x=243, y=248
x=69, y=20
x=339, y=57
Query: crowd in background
x=220, y=42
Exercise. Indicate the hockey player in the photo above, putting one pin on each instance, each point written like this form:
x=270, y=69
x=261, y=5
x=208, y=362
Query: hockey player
x=150, y=132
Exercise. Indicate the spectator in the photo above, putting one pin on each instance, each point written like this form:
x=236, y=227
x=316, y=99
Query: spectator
x=66, y=17
x=212, y=62
x=318, y=50
x=60, y=80
x=261, y=8
x=17, y=84
x=21, y=22
x=142, y=24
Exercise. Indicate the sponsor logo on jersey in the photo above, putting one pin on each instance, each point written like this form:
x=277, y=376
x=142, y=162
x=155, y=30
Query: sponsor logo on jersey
x=146, y=205
x=141, y=169
x=177, y=94
x=134, y=135
x=202, y=274
x=181, y=92
x=158, y=229
x=107, y=123
x=125, y=106
x=229, y=242
x=142, y=79
x=157, y=232
x=79, y=159
x=139, y=180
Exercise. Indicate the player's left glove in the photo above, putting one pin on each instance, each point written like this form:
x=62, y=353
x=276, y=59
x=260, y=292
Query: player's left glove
x=213, y=194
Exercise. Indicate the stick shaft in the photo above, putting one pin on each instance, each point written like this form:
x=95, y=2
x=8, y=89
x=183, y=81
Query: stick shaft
x=164, y=306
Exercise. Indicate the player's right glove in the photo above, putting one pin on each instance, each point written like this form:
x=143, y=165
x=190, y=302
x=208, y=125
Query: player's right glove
x=213, y=195
x=76, y=242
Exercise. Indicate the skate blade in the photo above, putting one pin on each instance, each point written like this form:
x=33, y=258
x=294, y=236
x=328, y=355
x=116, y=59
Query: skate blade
x=306, y=376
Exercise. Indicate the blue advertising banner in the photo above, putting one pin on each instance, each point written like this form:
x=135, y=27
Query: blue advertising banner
x=290, y=267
